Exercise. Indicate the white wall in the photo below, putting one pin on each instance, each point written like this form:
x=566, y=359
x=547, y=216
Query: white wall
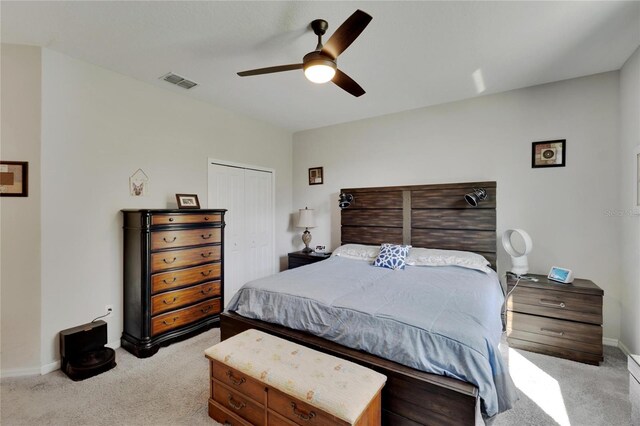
x=630, y=224
x=98, y=127
x=489, y=138
x=20, y=217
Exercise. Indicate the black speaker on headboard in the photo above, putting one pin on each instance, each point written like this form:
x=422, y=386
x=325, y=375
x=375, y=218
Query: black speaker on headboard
x=83, y=351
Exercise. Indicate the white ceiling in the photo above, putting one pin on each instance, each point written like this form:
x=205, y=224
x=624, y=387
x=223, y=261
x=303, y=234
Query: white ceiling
x=413, y=54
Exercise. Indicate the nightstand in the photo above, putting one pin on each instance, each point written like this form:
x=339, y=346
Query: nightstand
x=299, y=258
x=562, y=320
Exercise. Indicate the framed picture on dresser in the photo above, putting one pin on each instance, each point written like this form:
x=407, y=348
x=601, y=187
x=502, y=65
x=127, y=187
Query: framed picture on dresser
x=187, y=201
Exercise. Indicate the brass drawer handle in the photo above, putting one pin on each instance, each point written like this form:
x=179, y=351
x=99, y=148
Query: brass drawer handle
x=165, y=281
x=206, y=292
x=552, y=303
x=546, y=330
x=207, y=237
x=207, y=274
x=170, y=323
x=207, y=309
x=233, y=380
x=168, y=242
x=206, y=255
x=169, y=303
x=171, y=219
x=302, y=416
x=174, y=259
x=235, y=405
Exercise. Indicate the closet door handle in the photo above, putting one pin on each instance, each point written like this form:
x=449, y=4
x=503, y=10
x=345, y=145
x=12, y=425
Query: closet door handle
x=169, y=242
x=552, y=303
x=169, y=263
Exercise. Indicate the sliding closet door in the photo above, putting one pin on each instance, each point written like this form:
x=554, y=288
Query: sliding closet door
x=258, y=203
x=247, y=195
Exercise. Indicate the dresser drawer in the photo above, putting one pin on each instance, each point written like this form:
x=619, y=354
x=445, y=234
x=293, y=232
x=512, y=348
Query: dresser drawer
x=174, y=279
x=298, y=411
x=557, y=351
x=178, y=298
x=220, y=414
x=169, y=321
x=237, y=381
x=186, y=237
x=186, y=257
x=557, y=304
x=275, y=419
x=549, y=331
x=182, y=218
x=238, y=404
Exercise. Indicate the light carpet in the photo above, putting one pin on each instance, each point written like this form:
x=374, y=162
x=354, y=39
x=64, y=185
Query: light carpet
x=171, y=388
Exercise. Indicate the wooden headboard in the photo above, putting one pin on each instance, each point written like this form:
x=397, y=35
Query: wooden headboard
x=432, y=216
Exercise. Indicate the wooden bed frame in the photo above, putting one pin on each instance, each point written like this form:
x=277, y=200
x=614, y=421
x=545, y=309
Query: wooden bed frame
x=434, y=216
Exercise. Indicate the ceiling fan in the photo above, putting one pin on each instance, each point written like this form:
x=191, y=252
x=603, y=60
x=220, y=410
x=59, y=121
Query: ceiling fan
x=320, y=66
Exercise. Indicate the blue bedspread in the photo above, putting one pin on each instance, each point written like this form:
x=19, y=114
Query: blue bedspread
x=442, y=320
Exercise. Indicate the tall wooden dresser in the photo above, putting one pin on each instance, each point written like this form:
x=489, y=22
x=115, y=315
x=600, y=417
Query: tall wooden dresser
x=173, y=276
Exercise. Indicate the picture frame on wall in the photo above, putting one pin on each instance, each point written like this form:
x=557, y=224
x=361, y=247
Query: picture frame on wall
x=14, y=178
x=188, y=201
x=316, y=176
x=549, y=153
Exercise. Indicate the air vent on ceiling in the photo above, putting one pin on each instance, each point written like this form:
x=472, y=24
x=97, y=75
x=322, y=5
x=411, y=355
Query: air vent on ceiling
x=179, y=81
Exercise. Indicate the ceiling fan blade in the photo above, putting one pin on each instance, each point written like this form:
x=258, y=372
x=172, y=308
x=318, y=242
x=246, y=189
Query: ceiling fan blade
x=270, y=70
x=346, y=33
x=346, y=83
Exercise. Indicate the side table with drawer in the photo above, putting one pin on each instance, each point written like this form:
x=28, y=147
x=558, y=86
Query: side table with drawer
x=562, y=320
x=298, y=258
x=173, y=276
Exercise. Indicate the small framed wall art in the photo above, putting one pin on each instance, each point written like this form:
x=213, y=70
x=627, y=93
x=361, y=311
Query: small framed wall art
x=14, y=179
x=549, y=153
x=187, y=201
x=316, y=176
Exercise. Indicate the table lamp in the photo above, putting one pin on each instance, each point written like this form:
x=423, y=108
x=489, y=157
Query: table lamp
x=306, y=221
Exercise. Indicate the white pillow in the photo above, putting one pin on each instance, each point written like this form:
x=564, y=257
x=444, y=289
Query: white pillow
x=357, y=252
x=435, y=257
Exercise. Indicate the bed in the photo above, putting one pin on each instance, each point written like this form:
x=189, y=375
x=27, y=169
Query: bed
x=417, y=392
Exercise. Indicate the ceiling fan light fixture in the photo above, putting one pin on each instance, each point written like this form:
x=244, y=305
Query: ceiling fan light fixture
x=319, y=73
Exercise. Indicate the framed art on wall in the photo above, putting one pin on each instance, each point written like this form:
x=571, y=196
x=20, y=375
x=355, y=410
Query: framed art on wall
x=188, y=201
x=549, y=153
x=316, y=176
x=14, y=179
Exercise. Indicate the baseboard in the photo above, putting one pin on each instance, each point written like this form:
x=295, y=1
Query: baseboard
x=610, y=342
x=624, y=348
x=20, y=372
x=49, y=368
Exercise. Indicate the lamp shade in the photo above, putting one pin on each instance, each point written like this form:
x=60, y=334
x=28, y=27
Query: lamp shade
x=306, y=219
